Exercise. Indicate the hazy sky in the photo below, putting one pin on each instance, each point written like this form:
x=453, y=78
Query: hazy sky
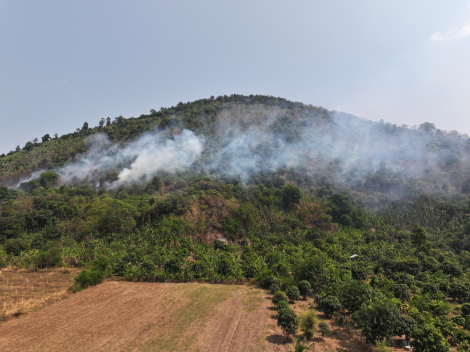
x=63, y=63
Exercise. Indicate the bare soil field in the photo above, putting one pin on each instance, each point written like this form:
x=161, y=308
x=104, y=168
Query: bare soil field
x=22, y=291
x=130, y=316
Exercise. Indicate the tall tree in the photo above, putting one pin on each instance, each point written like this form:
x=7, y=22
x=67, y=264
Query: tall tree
x=378, y=319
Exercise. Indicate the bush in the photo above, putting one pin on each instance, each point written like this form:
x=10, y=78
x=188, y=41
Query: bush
x=305, y=288
x=218, y=244
x=288, y=321
x=279, y=296
x=101, y=264
x=463, y=346
x=282, y=305
x=324, y=328
x=458, y=291
x=459, y=320
x=354, y=293
x=265, y=279
x=15, y=246
x=428, y=338
x=329, y=305
x=49, y=256
x=401, y=292
x=284, y=310
x=308, y=321
x=465, y=309
x=275, y=286
x=293, y=293
x=467, y=322
x=291, y=195
x=88, y=278
x=438, y=308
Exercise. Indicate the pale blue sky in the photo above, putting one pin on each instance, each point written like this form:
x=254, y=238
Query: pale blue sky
x=63, y=63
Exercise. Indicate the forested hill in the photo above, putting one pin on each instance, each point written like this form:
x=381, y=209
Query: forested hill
x=206, y=117
x=243, y=136
x=262, y=190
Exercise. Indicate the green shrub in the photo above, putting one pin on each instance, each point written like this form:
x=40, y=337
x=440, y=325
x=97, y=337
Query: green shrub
x=404, y=325
x=265, y=279
x=88, y=278
x=275, y=286
x=49, y=256
x=465, y=309
x=459, y=320
x=429, y=338
x=101, y=264
x=293, y=293
x=463, y=347
x=438, y=308
x=3, y=263
x=288, y=321
x=401, y=292
x=301, y=346
x=329, y=305
x=282, y=304
x=284, y=310
x=291, y=195
x=218, y=244
x=305, y=288
x=308, y=321
x=15, y=246
x=467, y=322
x=324, y=328
x=279, y=296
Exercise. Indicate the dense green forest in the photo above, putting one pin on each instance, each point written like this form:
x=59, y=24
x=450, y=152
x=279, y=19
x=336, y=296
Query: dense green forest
x=369, y=218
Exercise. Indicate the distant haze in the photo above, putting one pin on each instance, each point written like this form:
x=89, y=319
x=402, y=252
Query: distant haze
x=64, y=63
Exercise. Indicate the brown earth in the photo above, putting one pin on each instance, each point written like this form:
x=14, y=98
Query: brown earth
x=129, y=316
x=125, y=316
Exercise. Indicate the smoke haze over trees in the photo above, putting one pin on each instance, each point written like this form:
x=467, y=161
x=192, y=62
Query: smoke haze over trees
x=240, y=137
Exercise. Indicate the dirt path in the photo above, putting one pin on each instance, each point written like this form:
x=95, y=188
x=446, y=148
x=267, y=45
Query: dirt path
x=124, y=316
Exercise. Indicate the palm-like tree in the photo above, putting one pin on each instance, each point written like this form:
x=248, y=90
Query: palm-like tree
x=300, y=346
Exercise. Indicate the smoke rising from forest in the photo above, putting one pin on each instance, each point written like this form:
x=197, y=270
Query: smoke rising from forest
x=255, y=139
x=138, y=161
x=344, y=143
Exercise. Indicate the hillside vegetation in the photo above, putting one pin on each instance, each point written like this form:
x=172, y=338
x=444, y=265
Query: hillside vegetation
x=258, y=189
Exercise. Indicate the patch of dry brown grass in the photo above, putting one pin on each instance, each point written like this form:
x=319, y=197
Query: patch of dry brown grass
x=22, y=291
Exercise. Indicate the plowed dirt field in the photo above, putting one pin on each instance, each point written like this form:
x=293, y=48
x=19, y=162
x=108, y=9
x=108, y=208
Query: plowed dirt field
x=129, y=316
x=124, y=316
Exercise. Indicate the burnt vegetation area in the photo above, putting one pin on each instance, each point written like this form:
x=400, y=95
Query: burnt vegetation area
x=403, y=213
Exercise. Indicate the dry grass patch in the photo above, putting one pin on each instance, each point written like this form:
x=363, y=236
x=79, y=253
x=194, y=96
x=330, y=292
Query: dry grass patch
x=252, y=300
x=22, y=291
x=185, y=323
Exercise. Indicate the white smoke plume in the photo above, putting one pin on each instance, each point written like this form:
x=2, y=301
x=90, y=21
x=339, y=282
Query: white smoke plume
x=35, y=175
x=138, y=161
x=340, y=147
